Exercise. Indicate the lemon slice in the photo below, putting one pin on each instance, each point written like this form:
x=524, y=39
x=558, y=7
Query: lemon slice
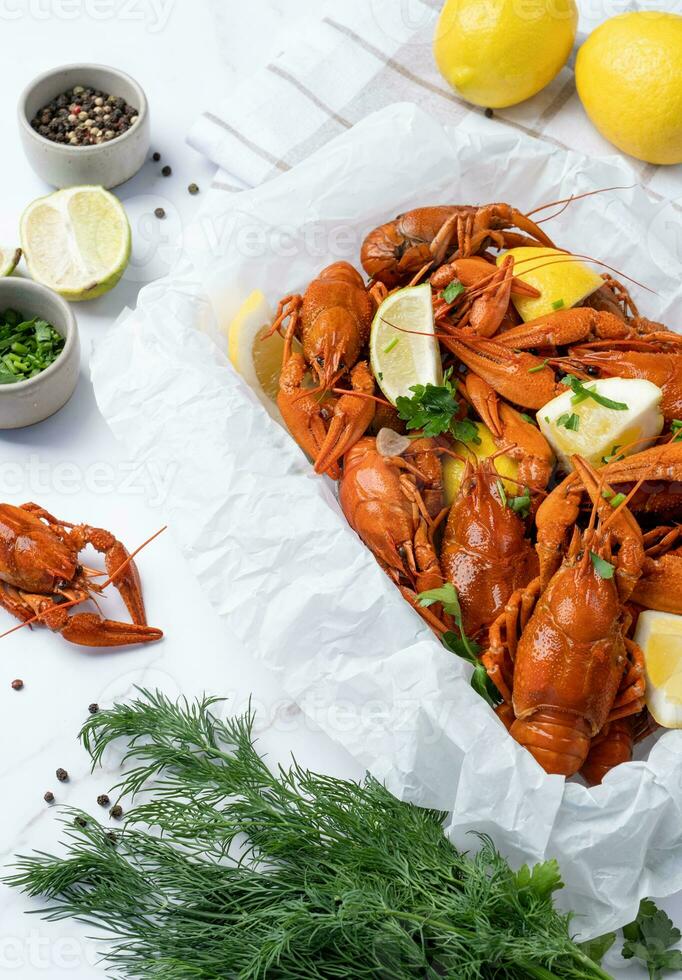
x=400, y=359
x=597, y=432
x=9, y=259
x=562, y=281
x=453, y=469
x=660, y=637
x=76, y=241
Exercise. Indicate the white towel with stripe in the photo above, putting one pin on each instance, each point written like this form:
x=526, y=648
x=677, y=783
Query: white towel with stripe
x=357, y=57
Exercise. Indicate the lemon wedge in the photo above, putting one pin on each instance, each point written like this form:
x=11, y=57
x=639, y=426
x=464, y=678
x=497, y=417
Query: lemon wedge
x=660, y=637
x=76, y=241
x=597, y=431
x=257, y=357
x=563, y=281
x=453, y=469
x=401, y=359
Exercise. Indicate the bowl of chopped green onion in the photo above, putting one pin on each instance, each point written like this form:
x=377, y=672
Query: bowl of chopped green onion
x=39, y=352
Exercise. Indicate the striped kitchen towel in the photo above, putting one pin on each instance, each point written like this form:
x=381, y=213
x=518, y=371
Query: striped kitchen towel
x=359, y=56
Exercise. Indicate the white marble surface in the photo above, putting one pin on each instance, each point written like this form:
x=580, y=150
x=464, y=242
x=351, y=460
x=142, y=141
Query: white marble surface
x=72, y=465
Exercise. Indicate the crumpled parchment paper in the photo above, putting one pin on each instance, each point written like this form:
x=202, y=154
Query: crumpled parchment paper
x=271, y=549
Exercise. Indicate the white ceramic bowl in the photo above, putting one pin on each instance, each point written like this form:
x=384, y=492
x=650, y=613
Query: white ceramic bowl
x=107, y=164
x=26, y=402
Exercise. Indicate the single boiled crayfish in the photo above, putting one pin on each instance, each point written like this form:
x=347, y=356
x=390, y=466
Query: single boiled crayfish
x=41, y=577
x=332, y=320
x=560, y=654
x=396, y=251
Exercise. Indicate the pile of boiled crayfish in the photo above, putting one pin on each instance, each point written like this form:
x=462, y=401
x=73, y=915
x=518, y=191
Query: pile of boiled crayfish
x=555, y=635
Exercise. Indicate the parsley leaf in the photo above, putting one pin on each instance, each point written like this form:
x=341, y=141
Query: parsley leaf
x=432, y=408
x=650, y=938
x=581, y=392
x=540, y=880
x=459, y=643
x=597, y=948
x=452, y=291
x=569, y=420
x=602, y=567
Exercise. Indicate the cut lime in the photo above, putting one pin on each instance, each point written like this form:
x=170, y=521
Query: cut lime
x=562, y=280
x=76, y=241
x=402, y=345
x=9, y=259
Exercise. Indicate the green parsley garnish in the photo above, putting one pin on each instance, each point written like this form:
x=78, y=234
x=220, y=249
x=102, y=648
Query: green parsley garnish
x=557, y=304
x=459, y=643
x=602, y=567
x=432, y=408
x=452, y=291
x=569, y=420
x=390, y=346
x=650, y=938
x=581, y=392
x=676, y=429
x=27, y=347
x=539, y=367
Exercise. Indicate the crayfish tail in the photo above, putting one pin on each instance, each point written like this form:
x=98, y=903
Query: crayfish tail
x=559, y=741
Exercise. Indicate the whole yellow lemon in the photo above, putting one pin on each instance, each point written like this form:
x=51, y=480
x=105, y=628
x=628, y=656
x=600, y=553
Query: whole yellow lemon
x=629, y=79
x=496, y=53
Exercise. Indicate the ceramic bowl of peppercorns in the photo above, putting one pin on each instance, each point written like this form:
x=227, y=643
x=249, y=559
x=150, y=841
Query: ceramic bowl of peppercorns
x=84, y=124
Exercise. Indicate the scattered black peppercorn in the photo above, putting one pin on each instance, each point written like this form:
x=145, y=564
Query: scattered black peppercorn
x=93, y=708
x=17, y=684
x=159, y=212
x=111, y=836
x=193, y=188
x=62, y=775
x=116, y=811
x=81, y=821
x=103, y=799
x=156, y=157
x=488, y=113
x=166, y=171
x=49, y=797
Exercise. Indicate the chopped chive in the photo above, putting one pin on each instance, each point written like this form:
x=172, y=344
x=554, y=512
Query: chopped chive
x=393, y=343
x=528, y=418
x=27, y=347
x=617, y=499
x=602, y=567
x=676, y=429
x=502, y=492
x=581, y=392
x=539, y=367
x=569, y=421
x=557, y=304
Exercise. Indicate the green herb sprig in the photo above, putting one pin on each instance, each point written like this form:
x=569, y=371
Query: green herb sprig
x=230, y=870
x=432, y=408
x=459, y=643
x=650, y=938
x=27, y=347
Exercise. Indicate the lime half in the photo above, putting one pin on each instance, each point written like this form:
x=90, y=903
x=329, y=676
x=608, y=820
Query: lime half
x=76, y=241
x=9, y=260
x=402, y=345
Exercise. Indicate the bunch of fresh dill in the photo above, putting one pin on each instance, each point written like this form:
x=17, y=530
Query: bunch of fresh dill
x=231, y=871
